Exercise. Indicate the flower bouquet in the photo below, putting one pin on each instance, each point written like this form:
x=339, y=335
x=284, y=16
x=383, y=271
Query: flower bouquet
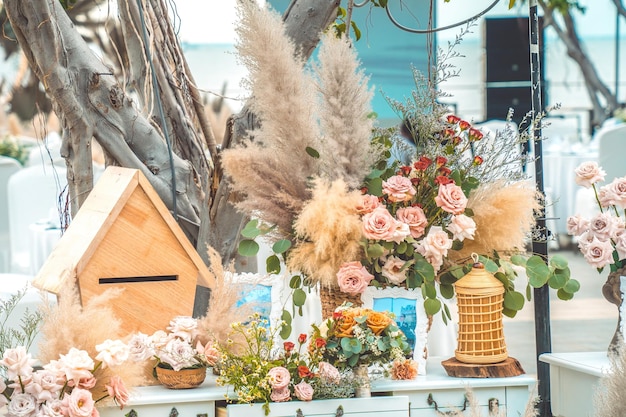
x=259, y=371
x=70, y=386
x=602, y=238
x=175, y=351
x=357, y=336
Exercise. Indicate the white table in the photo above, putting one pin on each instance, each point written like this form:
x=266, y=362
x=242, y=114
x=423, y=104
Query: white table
x=43, y=236
x=574, y=378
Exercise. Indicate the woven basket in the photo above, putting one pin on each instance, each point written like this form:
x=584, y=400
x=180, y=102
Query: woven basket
x=333, y=298
x=481, y=335
x=183, y=379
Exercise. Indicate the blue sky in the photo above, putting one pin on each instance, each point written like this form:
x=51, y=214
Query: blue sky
x=212, y=21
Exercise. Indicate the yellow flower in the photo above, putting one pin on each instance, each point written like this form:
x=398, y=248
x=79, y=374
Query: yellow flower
x=377, y=322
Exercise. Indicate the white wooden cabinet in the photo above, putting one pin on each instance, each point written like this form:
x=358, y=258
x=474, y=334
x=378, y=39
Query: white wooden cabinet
x=574, y=379
x=510, y=394
x=349, y=407
x=416, y=398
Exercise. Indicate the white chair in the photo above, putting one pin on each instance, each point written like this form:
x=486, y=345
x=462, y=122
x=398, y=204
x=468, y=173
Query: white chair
x=8, y=167
x=32, y=192
x=611, y=142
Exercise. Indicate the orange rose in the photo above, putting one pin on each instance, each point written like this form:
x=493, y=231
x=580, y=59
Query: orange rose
x=377, y=322
x=345, y=325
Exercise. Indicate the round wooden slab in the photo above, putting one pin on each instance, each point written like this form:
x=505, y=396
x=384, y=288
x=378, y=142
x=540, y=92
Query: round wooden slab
x=507, y=368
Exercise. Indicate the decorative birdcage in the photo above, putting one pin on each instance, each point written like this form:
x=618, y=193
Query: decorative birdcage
x=481, y=336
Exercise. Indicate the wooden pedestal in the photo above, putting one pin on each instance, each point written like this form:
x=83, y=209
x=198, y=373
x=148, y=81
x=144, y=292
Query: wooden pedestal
x=507, y=368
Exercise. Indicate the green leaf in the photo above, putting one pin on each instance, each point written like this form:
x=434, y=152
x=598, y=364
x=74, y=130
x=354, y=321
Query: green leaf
x=508, y=312
x=357, y=31
x=447, y=278
x=401, y=248
x=446, y=315
x=383, y=3
x=353, y=360
x=572, y=286
x=447, y=291
x=429, y=290
x=557, y=280
x=564, y=295
x=281, y=246
x=248, y=247
x=513, y=300
x=375, y=250
x=299, y=297
x=295, y=282
x=251, y=229
x=286, y=317
x=511, y=4
x=558, y=261
x=528, y=292
x=312, y=152
x=413, y=280
x=285, y=331
x=375, y=187
x=537, y=271
x=424, y=269
x=432, y=306
x=272, y=265
x=518, y=260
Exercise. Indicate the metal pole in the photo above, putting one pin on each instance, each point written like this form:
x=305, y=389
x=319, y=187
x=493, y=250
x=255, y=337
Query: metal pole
x=617, y=42
x=541, y=295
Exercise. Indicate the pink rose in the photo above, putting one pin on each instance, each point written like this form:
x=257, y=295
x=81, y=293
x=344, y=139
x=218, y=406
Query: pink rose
x=415, y=218
x=588, y=173
x=398, y=189
x=598, y=253
x=451, y=198
x=462, y=227
x=434, y=247
x=303, y=391
x=118, y=391
x=353, y=278
x=577, y=225
x=603, y=226
x=329, y=373
x=392, y=270
x=379, y=225
x=368, y=204
x=280, y=395
x=613, y=193
x=211, y=354
x=620, y=244
x=45, y=385
x=80, y=403
x=18, y=362
x=279, y=377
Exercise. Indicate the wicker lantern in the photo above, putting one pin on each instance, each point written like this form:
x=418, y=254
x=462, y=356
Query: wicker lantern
x=481, y=336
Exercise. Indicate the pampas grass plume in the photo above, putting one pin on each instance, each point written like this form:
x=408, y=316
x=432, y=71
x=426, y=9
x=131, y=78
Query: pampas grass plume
x=504, y=216
x=330, y=229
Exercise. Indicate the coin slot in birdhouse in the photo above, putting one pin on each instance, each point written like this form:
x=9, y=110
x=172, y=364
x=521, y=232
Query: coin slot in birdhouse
x=127, y=280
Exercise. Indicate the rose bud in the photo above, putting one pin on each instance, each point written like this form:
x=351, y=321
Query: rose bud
x=477, y=160
x=456, y=140
x=441, y=161
x=302, y=338
x=475, y=134
x=448, y=133
x=443, y=180
x=464, y=125
x=288, y=346
x=452, y=119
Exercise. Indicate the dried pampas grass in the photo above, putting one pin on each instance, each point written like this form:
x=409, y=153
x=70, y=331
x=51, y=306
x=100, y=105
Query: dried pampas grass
x=504, y=216
x=69, y=325
x=223, y=308
x=330, y=229
x=609, y=398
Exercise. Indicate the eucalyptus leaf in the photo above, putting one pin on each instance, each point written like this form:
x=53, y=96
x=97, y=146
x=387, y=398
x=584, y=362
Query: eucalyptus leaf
x=432, y=306
x=299, y=297
x=248, y=247
x=295, y=282
x=572, y=286
x=513, y=300
x=310, y=151
x=281, y=246
x=537, y=271
x=564, y=295
x=558, y=261
x=272, y=264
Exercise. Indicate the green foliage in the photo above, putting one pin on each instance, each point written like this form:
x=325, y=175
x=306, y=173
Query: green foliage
x=13, y=149
x=22, y=335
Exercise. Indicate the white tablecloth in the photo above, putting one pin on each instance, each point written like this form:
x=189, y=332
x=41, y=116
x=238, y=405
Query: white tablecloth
x=561, y=189
x=43, y=237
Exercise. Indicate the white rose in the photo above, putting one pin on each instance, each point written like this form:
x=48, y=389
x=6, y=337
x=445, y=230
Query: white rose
x=185, y=327
x=77, y=365
x=392, y=270
x=462, y=227
x=112, y=352
x=140, y=347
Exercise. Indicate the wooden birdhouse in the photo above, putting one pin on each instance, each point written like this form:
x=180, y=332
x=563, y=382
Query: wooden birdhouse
x=124, y=237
